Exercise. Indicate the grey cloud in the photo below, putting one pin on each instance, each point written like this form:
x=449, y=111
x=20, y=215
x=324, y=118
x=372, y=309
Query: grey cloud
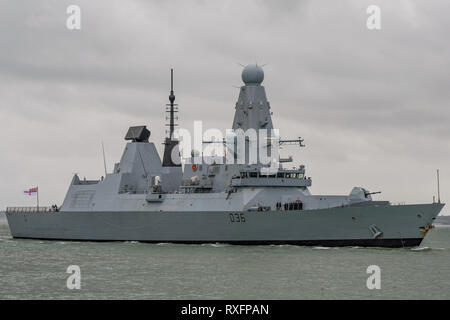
x=373, y=106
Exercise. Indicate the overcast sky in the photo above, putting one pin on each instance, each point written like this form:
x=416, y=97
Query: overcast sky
x=372, y=106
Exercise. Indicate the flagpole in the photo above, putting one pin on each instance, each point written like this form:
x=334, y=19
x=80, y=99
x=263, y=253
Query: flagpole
x=37, y=198
x=104, y=159
x=439, y=191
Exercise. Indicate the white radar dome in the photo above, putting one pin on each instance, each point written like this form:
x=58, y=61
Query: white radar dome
x=252, y=74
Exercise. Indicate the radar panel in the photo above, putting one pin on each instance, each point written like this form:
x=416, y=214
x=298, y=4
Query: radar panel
x=138, y=134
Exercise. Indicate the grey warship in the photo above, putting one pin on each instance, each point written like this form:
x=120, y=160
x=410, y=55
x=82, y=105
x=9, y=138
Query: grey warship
x=181, y=200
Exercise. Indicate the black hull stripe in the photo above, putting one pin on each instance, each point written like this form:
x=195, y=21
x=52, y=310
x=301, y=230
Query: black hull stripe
x=389, y=243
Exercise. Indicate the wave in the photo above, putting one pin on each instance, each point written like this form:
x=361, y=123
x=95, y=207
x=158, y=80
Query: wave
x=426, y=249
x=215, y=245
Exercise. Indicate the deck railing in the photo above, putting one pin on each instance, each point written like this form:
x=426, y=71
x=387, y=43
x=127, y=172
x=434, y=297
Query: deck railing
x=29, y=209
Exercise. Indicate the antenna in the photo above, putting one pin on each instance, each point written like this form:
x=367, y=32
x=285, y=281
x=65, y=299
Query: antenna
x=171, y=83
x=37, y=198
x=172, y=107
x=170, y=142
x=439, y=191
x=104, y=159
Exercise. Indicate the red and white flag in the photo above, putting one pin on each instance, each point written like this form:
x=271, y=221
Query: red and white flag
x=31, y=191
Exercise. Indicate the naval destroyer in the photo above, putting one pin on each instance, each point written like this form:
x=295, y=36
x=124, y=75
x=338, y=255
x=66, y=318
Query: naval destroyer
x=190, y=200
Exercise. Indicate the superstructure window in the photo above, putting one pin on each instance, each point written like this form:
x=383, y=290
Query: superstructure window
x=292, y=206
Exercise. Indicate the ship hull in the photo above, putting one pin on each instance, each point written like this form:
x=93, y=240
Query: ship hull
x=379, y=226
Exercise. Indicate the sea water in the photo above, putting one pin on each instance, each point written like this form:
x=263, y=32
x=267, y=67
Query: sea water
x=36, y=269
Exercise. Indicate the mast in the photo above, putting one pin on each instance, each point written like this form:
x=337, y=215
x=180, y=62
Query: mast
x=438, y=189
x=170, y=142
x=172, y=106
x=104, y=159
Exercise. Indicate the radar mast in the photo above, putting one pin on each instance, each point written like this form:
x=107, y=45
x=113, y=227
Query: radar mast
x=170, y=142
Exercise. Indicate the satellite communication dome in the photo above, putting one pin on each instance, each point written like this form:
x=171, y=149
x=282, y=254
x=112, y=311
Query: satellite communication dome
x=252, y=74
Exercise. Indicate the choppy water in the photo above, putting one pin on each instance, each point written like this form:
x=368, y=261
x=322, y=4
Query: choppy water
x=33, y=269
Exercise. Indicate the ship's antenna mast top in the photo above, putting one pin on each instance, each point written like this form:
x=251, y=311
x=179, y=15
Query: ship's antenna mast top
x=172, y=96
x=172, y=107
x=170, y=142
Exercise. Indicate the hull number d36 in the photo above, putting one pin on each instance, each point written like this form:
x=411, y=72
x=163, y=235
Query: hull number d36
x=237, y=217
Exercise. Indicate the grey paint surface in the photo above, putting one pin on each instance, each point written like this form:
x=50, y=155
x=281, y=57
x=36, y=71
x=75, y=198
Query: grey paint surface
x=351, y=223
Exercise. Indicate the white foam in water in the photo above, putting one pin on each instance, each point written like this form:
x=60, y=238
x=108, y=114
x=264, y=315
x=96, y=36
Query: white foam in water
x=420, y=249
x=425, y=249
x=282, y=245
x=218, y=245
x=215, y=245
